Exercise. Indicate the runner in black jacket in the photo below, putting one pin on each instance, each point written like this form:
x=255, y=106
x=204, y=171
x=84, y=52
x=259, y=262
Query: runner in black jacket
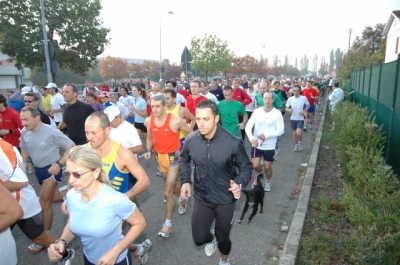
x=216, y=154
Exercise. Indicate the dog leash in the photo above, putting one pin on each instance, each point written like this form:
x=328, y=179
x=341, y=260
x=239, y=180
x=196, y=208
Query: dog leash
x=252, y=175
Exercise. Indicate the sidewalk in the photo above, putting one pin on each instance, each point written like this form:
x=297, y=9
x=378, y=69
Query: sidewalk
x=259, y=242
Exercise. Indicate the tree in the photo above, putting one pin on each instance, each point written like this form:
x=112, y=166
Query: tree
x=338, y=57
x=331, y=61
x=315, y=64
x=286, y=60
x=113, y=68
x=367, y=50
x=323, y=68
x=210, y=54
x=73, y=27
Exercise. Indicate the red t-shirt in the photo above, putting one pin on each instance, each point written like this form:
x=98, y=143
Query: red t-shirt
x=105, y=88
x=308, y=93
x=192, y=103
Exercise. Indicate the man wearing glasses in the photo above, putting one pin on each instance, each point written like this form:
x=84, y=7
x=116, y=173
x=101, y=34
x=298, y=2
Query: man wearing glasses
x=32, y=100
x=295, y=106
x=42, y=144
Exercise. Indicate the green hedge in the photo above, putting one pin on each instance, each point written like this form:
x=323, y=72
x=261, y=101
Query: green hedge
x=371, y=194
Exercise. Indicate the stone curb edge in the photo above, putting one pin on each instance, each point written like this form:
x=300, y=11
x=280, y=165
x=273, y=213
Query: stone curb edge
x=291, y=247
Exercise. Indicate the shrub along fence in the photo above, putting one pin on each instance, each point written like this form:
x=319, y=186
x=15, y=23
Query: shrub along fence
x=371, y=194
x=377, y=88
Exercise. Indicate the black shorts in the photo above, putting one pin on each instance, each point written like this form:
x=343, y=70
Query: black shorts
x=140, y=126
x=32, y=227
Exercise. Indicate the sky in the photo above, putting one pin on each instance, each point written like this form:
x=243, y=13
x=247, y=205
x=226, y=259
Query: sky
x=283, y=27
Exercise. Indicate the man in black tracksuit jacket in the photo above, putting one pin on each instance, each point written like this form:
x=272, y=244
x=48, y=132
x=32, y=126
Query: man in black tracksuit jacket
x=216, y=154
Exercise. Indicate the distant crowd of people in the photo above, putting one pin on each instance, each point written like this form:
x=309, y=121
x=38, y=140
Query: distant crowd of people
x=195, y=131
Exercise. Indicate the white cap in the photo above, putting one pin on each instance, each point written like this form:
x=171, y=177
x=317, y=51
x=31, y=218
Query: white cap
x=51, y=85
x=25, y=90
x=112, y=112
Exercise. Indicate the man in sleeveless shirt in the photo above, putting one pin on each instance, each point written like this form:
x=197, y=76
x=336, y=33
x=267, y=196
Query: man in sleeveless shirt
x=178, y=111
x=163, y=136
x=118, y=162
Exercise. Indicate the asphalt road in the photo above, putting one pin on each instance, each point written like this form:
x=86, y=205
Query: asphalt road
x=256, y=243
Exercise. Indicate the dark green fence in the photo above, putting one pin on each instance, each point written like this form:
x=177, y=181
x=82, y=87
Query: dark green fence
x=377, y=88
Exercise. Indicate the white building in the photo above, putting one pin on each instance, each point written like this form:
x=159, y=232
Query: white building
x=10, y=76
x=392, y=34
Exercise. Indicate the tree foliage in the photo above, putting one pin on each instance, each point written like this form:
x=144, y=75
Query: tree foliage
x=73, y=27
x=331, y=61
x=210, y=54
x=367, y=50
x=323, y=68
x=338, y=57
x=113, y=68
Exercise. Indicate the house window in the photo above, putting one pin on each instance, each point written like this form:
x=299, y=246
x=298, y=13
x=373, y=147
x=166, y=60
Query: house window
x=397, y=45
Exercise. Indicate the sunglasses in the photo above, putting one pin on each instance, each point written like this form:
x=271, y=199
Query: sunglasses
x=28, y=101
x=75, y=174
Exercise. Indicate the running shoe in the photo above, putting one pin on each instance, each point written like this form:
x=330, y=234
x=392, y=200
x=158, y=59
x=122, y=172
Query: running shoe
x=35, y=248
x=165, y=231
x=296, y=148
x=268, y=185
x=276, y=156
x=143, y=255
x=227, y=262
x=310, y=126
x=300, y=147
x=211, y=248
x=182, y=205
x=305, y=128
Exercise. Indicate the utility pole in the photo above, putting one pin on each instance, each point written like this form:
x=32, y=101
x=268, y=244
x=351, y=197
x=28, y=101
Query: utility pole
x=46, y=44
x=349, y=39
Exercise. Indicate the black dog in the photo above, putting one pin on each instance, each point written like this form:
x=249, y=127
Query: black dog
x=254, y=197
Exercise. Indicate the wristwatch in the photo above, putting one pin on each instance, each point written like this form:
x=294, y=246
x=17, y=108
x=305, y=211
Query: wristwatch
x=59, y=164
x=61, y=240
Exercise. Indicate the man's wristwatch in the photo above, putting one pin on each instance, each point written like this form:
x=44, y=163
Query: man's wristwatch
x=59, y=164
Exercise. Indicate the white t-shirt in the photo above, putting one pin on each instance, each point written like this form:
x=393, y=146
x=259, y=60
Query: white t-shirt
x=56, y=102
x=11, y=169
x=126, y=134
x=250, y=106
x=268, y=123
x=8, y=251
x=122, y=109
x=211, y=97
x=297, y=104
x=179, y=99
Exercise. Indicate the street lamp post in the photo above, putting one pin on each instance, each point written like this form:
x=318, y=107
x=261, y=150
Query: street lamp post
x=160, y=66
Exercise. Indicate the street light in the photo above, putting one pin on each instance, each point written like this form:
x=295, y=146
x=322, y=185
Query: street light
x=160, y=66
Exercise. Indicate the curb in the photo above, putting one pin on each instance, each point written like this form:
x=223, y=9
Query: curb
x=291, y=247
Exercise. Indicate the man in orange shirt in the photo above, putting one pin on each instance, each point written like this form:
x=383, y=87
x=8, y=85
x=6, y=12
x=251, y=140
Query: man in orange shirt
x=163, y=136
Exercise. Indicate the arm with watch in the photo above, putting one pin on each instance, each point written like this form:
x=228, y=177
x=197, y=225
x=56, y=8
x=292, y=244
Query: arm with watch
x=57, y=250
x=58, y=165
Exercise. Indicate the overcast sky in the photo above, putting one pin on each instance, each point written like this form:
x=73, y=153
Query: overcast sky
x=292, y=27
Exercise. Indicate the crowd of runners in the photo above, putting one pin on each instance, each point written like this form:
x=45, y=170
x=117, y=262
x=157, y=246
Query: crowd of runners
x=195, y=131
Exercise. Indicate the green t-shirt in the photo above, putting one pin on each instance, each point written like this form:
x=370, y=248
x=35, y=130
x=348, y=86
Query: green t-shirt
x=277, y=101
x=228, y=112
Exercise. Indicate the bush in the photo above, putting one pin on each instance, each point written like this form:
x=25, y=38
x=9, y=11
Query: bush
x=371, y=193
x=355, y=127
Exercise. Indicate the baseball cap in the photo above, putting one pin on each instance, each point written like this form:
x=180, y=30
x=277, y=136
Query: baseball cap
x=25, y=90
x=112, y=112
x=104, y=94
x=51, y=85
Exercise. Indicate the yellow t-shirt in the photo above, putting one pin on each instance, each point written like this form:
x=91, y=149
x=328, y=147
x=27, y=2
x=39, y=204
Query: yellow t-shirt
x=46, y=103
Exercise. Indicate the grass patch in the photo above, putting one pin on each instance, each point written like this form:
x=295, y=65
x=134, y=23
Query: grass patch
x=283, y=215
x=319, y=248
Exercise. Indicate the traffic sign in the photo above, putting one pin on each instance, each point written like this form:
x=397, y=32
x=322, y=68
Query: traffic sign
x=160, y=68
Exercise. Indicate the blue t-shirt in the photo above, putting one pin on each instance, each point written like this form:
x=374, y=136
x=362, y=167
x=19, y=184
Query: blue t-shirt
x=98, y=222
x=141, y=105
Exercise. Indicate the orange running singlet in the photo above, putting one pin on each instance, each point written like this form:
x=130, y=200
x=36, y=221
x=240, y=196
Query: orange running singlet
x=165, y=140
